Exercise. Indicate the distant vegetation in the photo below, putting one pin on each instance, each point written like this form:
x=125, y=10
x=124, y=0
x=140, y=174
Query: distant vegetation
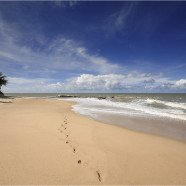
x=3, y=81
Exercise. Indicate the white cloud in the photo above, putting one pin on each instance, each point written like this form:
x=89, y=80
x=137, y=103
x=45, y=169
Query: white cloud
x=21, y=80
x=37, y=85
x=99, y=82
x=181, y=83
x=72, y=3
x=64, y=4
x=96, y=83
x=171, y=86
x=56, y=55
x=175, y=85
x=118, y=20
x=70, y=55
x=149, y=81
x=113, y=82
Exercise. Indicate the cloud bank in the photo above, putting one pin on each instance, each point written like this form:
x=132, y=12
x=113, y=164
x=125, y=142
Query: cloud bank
x=97, y=83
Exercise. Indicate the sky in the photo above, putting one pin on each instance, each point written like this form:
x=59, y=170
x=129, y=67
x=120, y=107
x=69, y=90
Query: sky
x=93, y=46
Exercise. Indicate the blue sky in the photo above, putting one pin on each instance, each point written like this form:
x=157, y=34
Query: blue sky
x=79, y=46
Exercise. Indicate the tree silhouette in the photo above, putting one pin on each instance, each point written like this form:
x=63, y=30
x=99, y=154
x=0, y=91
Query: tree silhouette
x=3, y=81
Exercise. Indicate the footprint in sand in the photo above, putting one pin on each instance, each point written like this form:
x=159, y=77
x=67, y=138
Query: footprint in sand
x=99, y=176
x=74, y=149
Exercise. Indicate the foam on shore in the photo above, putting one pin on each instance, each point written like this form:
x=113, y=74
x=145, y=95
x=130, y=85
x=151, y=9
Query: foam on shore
x=165, y=122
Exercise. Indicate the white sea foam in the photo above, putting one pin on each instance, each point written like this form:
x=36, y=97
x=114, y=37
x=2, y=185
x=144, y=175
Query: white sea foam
x=170, y=104
x=138, y=107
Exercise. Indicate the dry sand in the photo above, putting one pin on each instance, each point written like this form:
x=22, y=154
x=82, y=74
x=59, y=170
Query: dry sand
x=44, y=142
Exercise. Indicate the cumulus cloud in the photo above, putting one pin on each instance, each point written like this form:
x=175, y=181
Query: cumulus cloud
x=96, y=83
x=180, y=83
x=92, y=82
x=112, y=82
x=171, y=86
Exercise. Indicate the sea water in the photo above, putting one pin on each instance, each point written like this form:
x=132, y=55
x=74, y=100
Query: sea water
x=164, y=106
x=160, y=114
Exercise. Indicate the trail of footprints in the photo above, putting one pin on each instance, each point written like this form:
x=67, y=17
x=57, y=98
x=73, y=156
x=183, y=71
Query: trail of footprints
x=63, y=129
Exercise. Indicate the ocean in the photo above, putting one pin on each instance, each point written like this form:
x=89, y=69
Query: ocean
x=165, y=106
x=161, y=114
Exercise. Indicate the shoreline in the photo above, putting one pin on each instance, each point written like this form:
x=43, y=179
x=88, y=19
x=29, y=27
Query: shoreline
x=169, y=128
x=175, y=130
x=37, y=149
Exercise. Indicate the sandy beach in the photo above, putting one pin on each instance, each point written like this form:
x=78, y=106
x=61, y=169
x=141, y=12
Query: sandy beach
x=44, y=142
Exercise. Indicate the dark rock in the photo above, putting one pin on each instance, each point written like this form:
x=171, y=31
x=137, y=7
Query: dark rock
x=102, y=98
x=66, y=96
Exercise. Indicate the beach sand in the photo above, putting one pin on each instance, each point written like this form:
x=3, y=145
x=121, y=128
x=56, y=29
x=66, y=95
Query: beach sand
x=44, y=142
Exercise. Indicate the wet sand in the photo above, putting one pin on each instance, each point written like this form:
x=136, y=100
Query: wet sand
x=174, y=129
x=44, y=142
